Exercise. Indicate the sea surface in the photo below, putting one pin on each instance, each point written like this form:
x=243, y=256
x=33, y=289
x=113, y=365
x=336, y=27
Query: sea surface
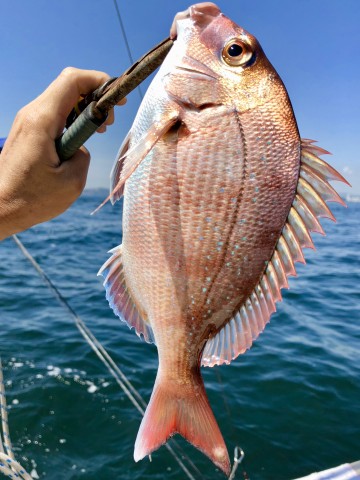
x=292, y=402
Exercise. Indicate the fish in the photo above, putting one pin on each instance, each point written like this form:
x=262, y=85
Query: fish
x=220, y=198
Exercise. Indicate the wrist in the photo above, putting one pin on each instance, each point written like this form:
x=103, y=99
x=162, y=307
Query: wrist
x=12, y=216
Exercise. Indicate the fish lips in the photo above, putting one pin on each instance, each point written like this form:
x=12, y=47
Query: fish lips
x=201, y=15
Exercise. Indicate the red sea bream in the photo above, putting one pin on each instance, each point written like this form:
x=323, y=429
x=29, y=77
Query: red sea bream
x=220, y=194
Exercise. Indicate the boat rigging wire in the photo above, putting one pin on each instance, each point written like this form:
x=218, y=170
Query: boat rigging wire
x=122, y=380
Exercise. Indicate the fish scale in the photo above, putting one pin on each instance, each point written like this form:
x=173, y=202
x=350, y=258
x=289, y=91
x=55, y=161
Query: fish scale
x=257, y=239
x=220, y=197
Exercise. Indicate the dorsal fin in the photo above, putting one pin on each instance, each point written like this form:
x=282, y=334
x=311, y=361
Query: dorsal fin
x=313, y=190
x=119, y=296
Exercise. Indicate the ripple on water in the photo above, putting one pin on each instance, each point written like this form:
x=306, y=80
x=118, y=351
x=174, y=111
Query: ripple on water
x=291, y=402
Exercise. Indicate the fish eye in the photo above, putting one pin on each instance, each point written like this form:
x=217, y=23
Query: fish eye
x=236, y=53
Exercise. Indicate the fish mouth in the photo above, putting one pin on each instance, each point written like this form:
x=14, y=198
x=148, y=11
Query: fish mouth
x=196, y=74
x=201, y=14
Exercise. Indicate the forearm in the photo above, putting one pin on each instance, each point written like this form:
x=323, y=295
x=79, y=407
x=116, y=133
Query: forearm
x=12, y=215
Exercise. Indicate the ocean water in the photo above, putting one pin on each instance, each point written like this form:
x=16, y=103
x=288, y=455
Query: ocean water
x=292, y=402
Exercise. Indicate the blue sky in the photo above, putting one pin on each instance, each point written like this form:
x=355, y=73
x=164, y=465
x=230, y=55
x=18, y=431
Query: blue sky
x=313, y=44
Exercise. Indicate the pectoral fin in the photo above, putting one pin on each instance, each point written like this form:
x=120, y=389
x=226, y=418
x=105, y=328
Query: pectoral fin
x=117, y=168
x=130, y=156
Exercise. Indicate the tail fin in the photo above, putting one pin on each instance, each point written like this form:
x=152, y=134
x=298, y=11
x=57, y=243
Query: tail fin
x=185, y=411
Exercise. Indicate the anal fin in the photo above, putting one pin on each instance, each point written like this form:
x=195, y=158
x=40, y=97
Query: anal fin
x=238, y=334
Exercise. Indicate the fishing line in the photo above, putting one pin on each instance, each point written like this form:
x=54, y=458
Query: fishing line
x=133, y=395
x=122, y=380
x=120, y=377
x=238, y=458
x=122, y=28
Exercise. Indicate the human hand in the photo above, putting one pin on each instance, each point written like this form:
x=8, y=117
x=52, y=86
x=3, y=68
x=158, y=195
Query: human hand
x=34, y=186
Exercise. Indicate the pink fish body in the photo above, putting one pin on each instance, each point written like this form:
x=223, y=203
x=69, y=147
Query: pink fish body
x=220, y=194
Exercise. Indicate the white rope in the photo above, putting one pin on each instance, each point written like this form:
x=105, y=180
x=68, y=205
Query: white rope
x=8, y=464
x=9, y=467
x=6, y=446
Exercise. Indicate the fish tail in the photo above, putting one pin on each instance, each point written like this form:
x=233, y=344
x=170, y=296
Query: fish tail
x=185, y=411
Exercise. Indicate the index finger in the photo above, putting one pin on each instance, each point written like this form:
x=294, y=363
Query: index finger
x=63, y=93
